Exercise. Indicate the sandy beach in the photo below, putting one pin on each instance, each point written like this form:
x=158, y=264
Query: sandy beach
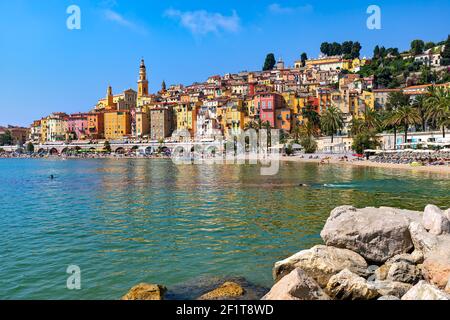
x=364, y=163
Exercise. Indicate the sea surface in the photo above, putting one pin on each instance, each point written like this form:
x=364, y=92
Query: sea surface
x=129, y=221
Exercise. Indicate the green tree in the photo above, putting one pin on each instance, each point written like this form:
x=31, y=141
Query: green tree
x=371, y=120
x=325, y=48
x=308, y=143
x=392, y=122
x=376, y=52
x=332, y=121
x=445, y=61
x=406, y=116
x=396, y=100
x=365, y=140
x=429, y=45
x=417, y=47
x=357, y=126
x=6, y=138
x=438, y=107
x=313, y=120
x=303, y=58
x=347, y=47
x=30, y=147
x=420, y=103
x=270, y=62
x=356, y=50
x=336, y=49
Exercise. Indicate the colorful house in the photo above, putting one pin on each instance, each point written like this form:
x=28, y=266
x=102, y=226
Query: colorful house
x=77, y=126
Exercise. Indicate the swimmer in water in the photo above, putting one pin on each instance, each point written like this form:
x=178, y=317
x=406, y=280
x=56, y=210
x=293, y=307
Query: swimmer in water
x=51, y=177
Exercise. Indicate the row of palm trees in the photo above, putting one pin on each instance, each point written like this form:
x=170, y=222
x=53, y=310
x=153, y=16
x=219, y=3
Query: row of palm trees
x=430, y=110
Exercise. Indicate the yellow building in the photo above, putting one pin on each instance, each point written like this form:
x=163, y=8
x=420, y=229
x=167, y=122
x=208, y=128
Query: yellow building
x=117, y=124
x=291, y=100
x=369, y=99
x=328, y=63
x=233, y=119
x=357, y=63
x=186, y=116
x=44, y=130
x=57, y=127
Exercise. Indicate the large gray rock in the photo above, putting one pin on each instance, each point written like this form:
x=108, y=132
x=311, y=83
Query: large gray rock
x=421, y=239
x=392, y=288
x=321, y=262
x=297, y=285
x=377, y=234
x=404, y=272
x=435, y=220
x=425, y=291
x=348, y=286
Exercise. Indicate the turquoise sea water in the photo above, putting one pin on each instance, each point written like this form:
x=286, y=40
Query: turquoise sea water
x=129, y=221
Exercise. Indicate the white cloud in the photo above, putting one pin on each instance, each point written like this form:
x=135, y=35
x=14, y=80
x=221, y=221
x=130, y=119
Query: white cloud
x=202, y=22
x=276, y=8
x=121, y=20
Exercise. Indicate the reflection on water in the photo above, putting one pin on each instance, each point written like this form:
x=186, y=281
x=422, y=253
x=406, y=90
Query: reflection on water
x=128, y=221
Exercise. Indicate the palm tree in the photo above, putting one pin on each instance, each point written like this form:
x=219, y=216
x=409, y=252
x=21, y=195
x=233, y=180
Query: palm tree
x=406, y=116
x=296, y=131
x=392, y=121
x=357, y=126
x=438, y=108
x=420, y=103
x=372, y=119
x=313, y=119
x=332, y=121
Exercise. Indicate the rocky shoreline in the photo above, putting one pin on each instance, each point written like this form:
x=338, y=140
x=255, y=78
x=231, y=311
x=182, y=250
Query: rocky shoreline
x=369, y=254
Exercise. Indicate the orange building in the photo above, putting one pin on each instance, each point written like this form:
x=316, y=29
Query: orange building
x=96, y=125
x=284, y=119
x=117, y=124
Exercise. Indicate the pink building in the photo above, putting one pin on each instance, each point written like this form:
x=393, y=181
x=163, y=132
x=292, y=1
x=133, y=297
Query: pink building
x=267, y=104
x=77, y=126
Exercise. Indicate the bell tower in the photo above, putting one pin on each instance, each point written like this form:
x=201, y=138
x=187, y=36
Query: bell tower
x=143, y=82
x=109, y=98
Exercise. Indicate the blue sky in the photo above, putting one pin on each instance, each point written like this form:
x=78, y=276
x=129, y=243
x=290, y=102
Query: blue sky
x=45, y=67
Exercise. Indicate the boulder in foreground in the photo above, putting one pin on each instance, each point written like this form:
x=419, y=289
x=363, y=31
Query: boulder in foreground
x=145, y=291
x=377, y=234
x=297, y=285
x=321, y=263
